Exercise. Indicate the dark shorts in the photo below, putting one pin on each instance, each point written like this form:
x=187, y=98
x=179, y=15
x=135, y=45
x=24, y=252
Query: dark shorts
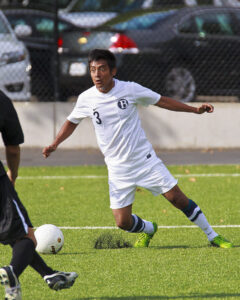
x=14, y=220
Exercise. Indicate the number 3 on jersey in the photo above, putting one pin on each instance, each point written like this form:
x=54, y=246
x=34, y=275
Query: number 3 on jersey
x=97, y=116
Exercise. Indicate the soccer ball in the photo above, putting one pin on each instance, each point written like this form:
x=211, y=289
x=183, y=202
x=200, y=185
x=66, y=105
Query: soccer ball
x=49, y=238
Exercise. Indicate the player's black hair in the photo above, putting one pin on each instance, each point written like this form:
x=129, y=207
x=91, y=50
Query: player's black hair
x=107, y=55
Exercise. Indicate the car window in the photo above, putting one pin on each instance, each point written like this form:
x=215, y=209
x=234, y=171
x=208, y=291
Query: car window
x=214, y=24
x=107, y=5
x=144, y=21
x=45, y=26
x=17, y=20
x=208, y=24
x=3, y=27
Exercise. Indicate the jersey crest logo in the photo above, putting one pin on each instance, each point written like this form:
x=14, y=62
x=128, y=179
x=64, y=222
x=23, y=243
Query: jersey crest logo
x=122, y=103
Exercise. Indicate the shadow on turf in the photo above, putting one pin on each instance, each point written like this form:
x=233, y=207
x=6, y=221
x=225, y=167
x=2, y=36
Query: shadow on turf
x=188, y=247
x=179, y=247
x=72, y=253
x=193, y=296
x=118, y=245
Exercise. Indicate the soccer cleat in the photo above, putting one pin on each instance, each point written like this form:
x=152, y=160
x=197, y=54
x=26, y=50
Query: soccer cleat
x=11, y=284
x=144, y=238
x=60, y=280
x=220, y=241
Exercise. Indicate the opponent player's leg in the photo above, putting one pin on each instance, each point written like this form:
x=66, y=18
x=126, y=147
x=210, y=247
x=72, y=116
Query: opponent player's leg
x=56, y=280
x=20, y=239
x=22, y=254
x=195, y=215
x=134, y=224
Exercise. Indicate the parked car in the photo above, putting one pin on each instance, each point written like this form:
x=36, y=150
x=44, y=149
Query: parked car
x=180, y=53
x=14, y=64
x=93, y=13
x=39, y=39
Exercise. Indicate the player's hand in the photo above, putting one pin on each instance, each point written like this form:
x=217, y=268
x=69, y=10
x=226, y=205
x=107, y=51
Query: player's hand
x=205, y=108
x=48, y=150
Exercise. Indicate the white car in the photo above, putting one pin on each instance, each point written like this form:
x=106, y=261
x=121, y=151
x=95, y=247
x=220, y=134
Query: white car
x=15, y=64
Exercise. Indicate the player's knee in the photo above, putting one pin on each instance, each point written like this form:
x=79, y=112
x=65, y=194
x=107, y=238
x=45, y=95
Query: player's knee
x=26, y=241
x=33, y=240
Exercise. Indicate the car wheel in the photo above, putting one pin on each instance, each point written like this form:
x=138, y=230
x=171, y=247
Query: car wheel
x=180, y=84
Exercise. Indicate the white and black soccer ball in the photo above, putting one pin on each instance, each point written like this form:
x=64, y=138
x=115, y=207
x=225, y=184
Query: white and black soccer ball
x=49, y=238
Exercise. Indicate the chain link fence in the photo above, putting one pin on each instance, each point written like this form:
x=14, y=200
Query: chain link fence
x=187, y=49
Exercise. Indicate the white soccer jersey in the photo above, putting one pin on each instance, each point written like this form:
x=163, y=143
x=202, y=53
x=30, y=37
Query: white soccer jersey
x=117, y=124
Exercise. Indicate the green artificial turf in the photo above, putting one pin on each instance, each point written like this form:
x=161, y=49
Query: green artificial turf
x=178, y=264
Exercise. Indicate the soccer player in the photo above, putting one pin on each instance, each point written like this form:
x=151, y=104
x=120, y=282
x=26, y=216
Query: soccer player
x=16, y=228
x=130, y=158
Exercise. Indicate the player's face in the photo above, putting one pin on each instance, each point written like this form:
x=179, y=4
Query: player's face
x=102, y=76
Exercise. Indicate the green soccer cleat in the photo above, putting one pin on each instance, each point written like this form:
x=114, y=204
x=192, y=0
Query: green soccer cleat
x=144, y=238
x=221, y=242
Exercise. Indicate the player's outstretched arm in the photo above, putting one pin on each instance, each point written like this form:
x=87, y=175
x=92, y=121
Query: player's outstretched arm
x=171, y=104
x=65, y=131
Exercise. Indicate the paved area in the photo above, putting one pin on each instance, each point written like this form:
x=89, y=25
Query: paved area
x=71, y=157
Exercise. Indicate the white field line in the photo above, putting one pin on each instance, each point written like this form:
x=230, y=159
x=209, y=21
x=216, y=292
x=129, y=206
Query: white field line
x=105, y=176
x=63, y=177
x=102, y=176
x=161, y=227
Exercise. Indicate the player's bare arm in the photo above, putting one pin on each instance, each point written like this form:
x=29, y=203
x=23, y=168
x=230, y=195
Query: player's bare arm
x=13, y=159
x=65, y=131
x=171, y=104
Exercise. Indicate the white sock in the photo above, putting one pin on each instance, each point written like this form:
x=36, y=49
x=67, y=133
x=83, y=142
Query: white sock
x=148, y=227
x=202, y=222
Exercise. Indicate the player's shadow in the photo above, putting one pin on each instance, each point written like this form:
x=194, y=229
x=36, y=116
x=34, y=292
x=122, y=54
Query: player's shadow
x=188, y=247
x=171, y=247
x=159, y=297
x=178, y=247
x=74, y=253
x=153, y=247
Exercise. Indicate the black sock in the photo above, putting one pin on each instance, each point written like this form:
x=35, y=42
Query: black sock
x=138, y=224
x=39, y=265
x=22, y=254
x=192, y=211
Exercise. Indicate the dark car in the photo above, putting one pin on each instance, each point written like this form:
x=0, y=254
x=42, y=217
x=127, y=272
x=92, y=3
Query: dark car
x=41, y=45
x=178, y=52
x=93, y=13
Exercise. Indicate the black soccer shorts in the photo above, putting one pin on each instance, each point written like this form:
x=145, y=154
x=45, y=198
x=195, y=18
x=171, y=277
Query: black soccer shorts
x=14, y=220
